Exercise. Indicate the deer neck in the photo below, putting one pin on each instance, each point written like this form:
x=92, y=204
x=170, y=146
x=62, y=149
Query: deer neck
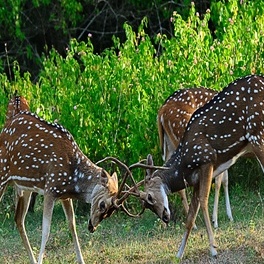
x=174, y=179
x=178, y=176
x=86, y=176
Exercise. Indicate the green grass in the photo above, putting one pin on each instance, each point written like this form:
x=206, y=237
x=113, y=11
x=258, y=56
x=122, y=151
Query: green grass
x=121, y=239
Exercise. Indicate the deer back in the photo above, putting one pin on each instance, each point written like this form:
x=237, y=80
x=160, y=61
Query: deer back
x=175, y=113
x=227, y=127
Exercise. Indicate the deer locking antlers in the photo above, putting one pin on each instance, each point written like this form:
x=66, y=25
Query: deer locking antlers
x=124, y=190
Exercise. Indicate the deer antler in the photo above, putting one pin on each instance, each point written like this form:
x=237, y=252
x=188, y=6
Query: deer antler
x=121, y=164
x=118, y=202
x=131, y=191
x=135, y=189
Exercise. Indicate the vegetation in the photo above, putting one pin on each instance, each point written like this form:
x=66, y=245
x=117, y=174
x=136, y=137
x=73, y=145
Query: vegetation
x=29, y=28
x=109, y=102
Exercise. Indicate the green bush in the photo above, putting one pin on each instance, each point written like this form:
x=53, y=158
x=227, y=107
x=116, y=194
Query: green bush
x=109, y=102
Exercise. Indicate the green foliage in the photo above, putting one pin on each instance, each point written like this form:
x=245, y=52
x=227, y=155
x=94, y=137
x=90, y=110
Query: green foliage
x=236, y=52
x=109, y=102
x=12, y=15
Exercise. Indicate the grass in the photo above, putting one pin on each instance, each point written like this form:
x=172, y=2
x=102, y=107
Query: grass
x=121, y=239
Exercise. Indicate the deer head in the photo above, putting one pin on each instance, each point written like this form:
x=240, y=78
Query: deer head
x=102, y=198
x=107, y=197
x=154, y=196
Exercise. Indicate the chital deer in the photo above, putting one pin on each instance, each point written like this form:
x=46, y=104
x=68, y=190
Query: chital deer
x=37, y=156
x=173, y=117
x=227, y=127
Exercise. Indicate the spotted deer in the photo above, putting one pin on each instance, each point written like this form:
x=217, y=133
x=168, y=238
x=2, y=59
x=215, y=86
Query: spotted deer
x=38, y=156
x=226, y=128
x=173, y=117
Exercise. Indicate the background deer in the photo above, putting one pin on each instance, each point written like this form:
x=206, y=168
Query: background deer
x=37, y=156
x=173, y=117
x=16, y=105
x=227, y=127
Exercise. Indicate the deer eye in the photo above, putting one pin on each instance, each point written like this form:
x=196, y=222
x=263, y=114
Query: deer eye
x=102, y=206
x=150, y=199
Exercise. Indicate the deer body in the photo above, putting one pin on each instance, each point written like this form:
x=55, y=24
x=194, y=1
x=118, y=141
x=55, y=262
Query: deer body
x=37, y=156
x=227, y=127
x=173, y=117
x=175, y=113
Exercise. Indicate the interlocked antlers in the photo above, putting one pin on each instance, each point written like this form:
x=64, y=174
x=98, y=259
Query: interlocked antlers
x=124, y=191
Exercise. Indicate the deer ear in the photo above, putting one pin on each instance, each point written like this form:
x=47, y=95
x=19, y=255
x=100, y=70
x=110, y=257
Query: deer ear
x=114, y=178
x=150, y=160
x=110, y=182
x=151, y=163
x=113, y=184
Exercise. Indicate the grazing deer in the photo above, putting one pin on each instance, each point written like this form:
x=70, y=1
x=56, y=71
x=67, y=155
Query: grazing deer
x=37, y=156
x=173, y=117
x=227, y=127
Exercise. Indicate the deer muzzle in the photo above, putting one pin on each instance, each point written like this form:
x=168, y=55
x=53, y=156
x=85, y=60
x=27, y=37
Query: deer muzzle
x=165, y=216
x=91, y=228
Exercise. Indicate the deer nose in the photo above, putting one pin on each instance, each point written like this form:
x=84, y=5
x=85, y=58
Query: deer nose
x=165, y=216
x=91, y=228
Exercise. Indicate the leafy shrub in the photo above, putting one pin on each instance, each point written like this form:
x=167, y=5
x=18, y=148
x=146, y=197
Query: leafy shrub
x=109, y=102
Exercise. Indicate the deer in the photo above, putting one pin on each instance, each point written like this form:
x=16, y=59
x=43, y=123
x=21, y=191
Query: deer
x=173, y=117
x=43, y=157
x=229, y=126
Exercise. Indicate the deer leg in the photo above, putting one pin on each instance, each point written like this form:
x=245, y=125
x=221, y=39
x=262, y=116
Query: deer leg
x=206, y=176
x=225, y=185
x=184, y=200
x=218, y=181
x=20, y=214
x=32, y=202
x=2, y=191
x=69, y=213
x=47, y=215
x=221, y=179
x=182, y=194
x=192, y=214
x=259, y=152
